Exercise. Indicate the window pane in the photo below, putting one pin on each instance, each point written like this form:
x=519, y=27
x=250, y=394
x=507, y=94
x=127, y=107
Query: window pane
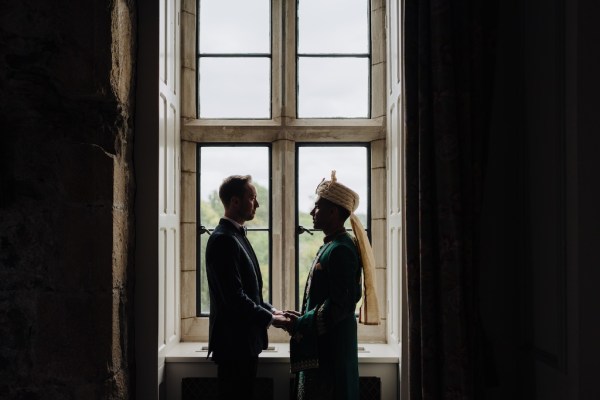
x=314, y=164
x=235, y=87
x=234, y=26
x=240, y=160
x=333, y=26
x=333, y=87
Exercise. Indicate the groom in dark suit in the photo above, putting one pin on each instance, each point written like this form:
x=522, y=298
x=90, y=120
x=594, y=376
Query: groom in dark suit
x=239, y=317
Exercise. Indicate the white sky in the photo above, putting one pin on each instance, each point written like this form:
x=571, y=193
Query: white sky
x=315, y=163
x=242, y=26
x=240, y=87
x=217, y=163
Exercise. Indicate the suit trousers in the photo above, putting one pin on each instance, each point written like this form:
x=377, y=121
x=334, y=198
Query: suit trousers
x=236, y=378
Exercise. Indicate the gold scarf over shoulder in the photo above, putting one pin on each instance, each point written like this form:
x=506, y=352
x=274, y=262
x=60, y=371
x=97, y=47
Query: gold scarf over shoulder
x=369, y=310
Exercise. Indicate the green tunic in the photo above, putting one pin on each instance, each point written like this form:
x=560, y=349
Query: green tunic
x=323, y=348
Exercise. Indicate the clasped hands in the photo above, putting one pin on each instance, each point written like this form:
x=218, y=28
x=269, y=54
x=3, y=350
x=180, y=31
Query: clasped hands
x=285, y=320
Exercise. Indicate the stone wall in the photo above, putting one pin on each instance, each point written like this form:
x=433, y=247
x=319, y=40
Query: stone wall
x=66, y=112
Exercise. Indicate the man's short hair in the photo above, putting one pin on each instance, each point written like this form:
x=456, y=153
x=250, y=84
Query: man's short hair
x=234, y=185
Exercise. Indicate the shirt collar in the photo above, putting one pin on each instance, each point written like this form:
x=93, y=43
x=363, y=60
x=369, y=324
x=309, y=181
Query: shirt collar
x=235, y=223
x=334, y=235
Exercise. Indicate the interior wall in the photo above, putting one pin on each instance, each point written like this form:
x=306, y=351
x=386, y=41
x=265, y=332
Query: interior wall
x=65, y=199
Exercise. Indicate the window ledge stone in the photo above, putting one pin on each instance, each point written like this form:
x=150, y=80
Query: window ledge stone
x=368, y=353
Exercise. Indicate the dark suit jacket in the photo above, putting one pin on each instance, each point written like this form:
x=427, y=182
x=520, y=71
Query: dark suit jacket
x=239, y=317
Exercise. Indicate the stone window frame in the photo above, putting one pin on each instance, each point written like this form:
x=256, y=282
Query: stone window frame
x=283, y=131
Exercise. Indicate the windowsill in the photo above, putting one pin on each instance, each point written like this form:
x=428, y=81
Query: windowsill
x=370, y=353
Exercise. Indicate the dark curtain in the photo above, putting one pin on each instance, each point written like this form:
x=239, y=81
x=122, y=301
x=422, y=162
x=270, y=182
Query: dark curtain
x=449, y=48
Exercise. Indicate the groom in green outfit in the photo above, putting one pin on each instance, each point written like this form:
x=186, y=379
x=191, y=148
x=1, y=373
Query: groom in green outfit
x=323, y=345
